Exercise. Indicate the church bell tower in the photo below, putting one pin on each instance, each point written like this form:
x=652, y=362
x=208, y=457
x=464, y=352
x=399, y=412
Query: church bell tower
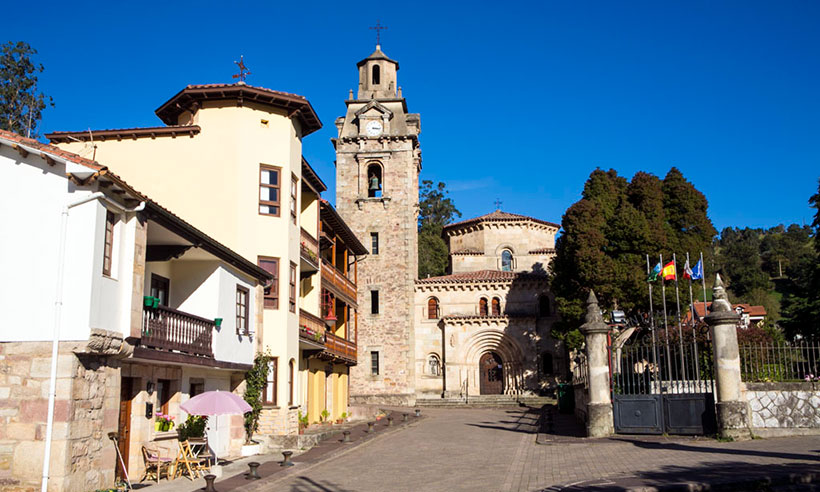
x=378, y=160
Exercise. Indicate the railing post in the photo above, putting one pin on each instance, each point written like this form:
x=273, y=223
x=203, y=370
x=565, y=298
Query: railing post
x=599, y=408
x=732, y=411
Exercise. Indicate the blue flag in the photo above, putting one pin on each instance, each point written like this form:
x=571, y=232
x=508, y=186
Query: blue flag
x=697, y=272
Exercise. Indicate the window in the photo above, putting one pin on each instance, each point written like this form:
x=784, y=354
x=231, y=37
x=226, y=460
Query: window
x=496, y=306
x=374, y=302
x=374, y=243
x=432, y=308
x=160, y=288
x=269, y=187
x=374, y=180
x=544, y=305
x=271, y=265
x=374, y=363
x=163, y=395
x=506, y=260
x=482, y=307
x=433, y=365
x=546, y=363
x=294, y=182
x=292, y=293
x=197, y=387
x=108, y=247
x=290, y=382
x=269, y=393
x=376, y=74
x=242, y=308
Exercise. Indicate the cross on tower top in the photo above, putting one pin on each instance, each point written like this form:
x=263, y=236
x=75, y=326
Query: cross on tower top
x=378, y=27
x=243, y=70
x=497, y=204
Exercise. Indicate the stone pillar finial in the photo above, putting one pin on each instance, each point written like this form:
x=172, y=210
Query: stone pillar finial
x=599, y=409
x=732, y=411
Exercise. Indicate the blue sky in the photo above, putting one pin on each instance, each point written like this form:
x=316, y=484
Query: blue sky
x=519, y=101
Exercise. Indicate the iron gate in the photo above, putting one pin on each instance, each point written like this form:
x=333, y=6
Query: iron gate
x=663, y=387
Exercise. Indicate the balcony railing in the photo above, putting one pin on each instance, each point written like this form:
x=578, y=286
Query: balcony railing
x=336, y=278
x=339, y=347
x=309, y=247
x=311, y=328
x=164, y=328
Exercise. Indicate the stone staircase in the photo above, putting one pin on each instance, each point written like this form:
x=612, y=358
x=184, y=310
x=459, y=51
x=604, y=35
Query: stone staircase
x=487, y=401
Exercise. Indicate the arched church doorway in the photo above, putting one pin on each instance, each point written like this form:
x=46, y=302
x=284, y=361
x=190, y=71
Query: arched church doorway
x=492, y=374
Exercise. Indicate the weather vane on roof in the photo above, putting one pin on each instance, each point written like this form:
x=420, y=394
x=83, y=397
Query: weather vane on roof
x=497, y=203
x=378, y=27
x=243, y=70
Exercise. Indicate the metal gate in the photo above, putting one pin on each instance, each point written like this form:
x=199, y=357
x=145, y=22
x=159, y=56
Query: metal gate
x=663, y=387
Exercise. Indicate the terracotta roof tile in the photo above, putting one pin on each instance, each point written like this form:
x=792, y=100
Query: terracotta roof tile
x=753, y=311
x=145, y=131
x=50, y=149
x=542, y=251
x=467, y=251
x=481, y=276
x=499, y=216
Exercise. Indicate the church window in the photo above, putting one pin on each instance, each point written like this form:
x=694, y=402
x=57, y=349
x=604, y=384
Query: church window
x=374, y=363
x=506, y=260
x=482, y=307
x=496, y=306
x=432, y=308
x=269, y=190
x=546, y=363
x=543, y=305
x=374, y=181
x=376, y=74
x=374, y=302
x=374, y=243
x=433, y=365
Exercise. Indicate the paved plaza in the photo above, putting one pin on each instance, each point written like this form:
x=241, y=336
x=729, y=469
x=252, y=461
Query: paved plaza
x=496, y=450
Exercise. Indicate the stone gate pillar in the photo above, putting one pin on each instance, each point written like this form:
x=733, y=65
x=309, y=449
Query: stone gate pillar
x=732, y=412
x=599, y=408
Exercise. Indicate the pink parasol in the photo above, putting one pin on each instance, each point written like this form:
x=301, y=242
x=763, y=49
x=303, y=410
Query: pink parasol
x=216, y=403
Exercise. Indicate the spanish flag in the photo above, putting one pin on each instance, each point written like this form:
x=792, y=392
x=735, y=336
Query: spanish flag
x=668, y=272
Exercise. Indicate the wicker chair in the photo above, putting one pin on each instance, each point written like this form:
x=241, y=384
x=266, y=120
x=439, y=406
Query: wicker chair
x=156, y=464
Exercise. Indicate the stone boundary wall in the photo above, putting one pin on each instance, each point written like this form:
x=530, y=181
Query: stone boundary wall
x=581, y=401
x=783, y=409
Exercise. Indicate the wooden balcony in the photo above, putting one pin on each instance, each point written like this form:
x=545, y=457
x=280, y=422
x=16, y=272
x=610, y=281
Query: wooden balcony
x=311, y=329
x=338, y=282
x=309, y=252
x=170, y=330
x=339, y=348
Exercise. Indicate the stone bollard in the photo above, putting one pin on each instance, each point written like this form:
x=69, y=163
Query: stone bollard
x=346, y=436
x=370, y=427
x=253, y=472
x=732, y=411
x=599, y=409
x=390, y=421
x=404, y=417
x=287, y=461
x=418, y=412
x=209, y=483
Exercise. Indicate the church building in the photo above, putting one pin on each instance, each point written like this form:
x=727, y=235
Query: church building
x=483, y=329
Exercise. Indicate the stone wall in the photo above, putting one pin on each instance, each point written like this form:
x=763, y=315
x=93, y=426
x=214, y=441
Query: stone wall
x=86, y=410
x=784, y=408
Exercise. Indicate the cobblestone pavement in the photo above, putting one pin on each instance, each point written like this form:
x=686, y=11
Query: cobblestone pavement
x=496, y=450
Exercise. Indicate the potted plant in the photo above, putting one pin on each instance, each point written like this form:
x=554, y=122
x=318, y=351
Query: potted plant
x=255, y=381
x=163, y=422
x=324, y=415
x=304, y=422
x=194, y=427
x=342, y=418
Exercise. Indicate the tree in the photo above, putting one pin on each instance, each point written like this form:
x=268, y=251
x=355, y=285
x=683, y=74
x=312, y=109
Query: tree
x=606, y=235
x=436, y=210
x=739, y=259
x=21, y=104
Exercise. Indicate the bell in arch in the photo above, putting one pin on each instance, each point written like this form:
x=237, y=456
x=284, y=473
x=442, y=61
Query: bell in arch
x=375, y=185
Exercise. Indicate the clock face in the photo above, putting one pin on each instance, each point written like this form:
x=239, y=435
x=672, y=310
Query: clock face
x=374, y=129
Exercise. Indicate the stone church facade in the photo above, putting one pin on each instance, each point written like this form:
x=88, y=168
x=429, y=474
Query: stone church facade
x=488, y=332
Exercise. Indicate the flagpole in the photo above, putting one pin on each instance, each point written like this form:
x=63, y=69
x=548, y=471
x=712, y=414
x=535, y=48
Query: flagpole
x=692, y=320
x=665, y=325
x=680, y=330
x=652, y=323
x=703, y=280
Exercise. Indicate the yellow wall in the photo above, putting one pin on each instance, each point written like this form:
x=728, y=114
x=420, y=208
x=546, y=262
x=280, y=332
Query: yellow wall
x=317, y=381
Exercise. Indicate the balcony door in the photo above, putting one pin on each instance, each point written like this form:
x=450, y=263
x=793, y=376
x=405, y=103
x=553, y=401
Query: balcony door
x=160, y=287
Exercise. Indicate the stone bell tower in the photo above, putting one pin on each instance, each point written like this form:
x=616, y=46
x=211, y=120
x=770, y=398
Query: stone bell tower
x=378, y=160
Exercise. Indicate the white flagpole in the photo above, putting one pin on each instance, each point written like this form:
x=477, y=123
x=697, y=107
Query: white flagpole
x=703, y=281
x=680, y=330
x=652, y=320
x=665, y=325
x=692, y=321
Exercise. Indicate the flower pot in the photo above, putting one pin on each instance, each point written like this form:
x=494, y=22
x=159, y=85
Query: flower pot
x=251, y=449
x=148, y=301
x=155, y=304
x=166, y=426
x=218, y=322
x=158, y=426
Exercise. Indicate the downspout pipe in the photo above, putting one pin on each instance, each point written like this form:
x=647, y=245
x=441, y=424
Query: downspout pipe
x=58, y=306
